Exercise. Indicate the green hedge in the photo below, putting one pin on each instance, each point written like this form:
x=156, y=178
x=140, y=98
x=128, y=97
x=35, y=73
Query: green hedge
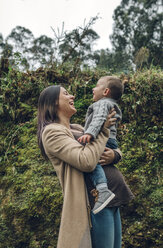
x=30, y=194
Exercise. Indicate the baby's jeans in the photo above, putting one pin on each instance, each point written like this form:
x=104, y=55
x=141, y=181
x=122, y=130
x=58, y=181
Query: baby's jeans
x=98, y=175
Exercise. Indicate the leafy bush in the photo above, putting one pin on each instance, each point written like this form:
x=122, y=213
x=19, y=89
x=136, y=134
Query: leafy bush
x=30, y=194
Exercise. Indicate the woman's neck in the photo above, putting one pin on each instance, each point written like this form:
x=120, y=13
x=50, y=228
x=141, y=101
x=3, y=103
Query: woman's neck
x=65, y=121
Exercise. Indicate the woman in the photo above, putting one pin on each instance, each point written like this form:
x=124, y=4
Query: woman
x=70, y=159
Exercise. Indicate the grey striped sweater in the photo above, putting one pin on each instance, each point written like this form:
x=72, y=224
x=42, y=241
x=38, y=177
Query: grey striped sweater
x=97, y=114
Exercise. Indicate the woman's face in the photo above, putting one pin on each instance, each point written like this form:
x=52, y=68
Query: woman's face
x=66, y=104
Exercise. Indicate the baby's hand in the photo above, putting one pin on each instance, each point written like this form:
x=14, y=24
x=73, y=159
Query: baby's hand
x=85, y=138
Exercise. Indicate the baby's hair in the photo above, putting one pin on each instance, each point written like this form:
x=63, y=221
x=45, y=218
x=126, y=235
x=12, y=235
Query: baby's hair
x=115, y=85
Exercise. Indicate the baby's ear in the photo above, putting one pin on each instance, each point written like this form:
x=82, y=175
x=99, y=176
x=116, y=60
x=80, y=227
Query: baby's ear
x=106, y=92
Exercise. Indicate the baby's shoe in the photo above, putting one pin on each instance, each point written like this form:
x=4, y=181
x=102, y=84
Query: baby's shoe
x=104, y=197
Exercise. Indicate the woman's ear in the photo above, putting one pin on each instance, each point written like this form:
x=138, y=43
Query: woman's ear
x=106, y=92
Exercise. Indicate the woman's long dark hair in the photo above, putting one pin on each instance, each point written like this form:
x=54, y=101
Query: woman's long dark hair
x=47, y=111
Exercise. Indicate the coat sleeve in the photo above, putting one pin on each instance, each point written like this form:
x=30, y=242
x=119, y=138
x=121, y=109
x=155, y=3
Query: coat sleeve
x=60, y=144
x=100, y=113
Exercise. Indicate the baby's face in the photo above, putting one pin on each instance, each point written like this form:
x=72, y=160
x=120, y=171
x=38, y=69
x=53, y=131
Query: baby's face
x=98, y=91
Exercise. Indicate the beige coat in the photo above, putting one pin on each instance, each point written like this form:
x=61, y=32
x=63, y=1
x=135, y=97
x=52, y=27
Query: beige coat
x=70, y=159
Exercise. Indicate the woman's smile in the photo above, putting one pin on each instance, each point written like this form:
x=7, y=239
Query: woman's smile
x=71, y=103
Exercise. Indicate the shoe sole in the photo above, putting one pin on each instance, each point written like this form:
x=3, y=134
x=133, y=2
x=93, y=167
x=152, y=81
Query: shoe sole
x=104, y=204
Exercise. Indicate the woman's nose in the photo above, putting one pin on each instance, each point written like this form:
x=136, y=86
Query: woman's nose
x=73, y=97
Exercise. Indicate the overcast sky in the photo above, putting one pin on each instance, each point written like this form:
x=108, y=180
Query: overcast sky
x=39, y=15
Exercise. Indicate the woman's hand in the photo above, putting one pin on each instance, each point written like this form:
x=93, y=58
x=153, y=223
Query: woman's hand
x=107, y=157
x=110, y=120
